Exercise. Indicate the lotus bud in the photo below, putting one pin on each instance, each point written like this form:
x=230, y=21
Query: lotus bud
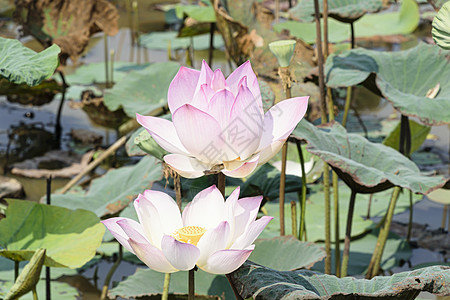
x=283, y=51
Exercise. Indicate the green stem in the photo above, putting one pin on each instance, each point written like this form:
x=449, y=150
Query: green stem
x=337, y=243
x=111, y=57
x=212, y=28
x=35, y=295
x=348, y=97
x=105, y=42
x=294, y=218
x=221, y=183
x=348, y=233
x=191, y=282
x=411, y=213
x=369, y=206
x=111, y=273
x=16, y=269
x=282, y=186
x=165, y=294
x=303, y=198
x=375, y=262
x=177, y=186
x=444, y=217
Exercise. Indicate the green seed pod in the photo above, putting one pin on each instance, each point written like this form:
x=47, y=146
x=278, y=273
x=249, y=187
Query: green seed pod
x=283, y=51
x=29, y=276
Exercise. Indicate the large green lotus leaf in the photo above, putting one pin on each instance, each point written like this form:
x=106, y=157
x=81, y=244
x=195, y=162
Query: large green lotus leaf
x=346, y=11
x=146, y=282
x=403, y=78
x=441, y=27
x=198, y=13
x=366, y=167
x=282, y=253
x=264, y=283
x=315, y=213
x=69, y=236
x=95, y=73
x=161, y=41
x=20, y=64
x=390, y=23
x=113, y=191
x=419, y=134
x=396, y=251
x=142, y=91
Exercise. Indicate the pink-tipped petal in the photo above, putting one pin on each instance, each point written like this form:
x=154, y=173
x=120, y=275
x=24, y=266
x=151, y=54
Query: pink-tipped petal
x=118, y=232
x=152, y=257
x=133, y=230
x=201, y=98
x=245, y=127
x=227, y=261
x=163, y=132
x=150, y=220
x=282, y=119
x=168, y=211
x=200, y=133
x=229, y=216
x=182, y=88
x=182, y=256
x=252, y=232
x=205, y=77
x=205, y=210
x=246, y=212
x=244, y=170
x=185, y=166
x=252, y=82
x=218, y=80
x=213, y=240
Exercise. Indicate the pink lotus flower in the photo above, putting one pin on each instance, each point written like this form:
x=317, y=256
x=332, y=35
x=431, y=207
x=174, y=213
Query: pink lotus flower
x=219, y=124
x=216, y=236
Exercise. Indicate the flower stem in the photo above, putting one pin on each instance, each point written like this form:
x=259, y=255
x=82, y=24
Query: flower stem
x=105, y=44
x=110, y=274
x=221, y=179
x=294, y=218
x=337, y=243
x=212, y=28
x=35, y=296
x=177, y=186
x=191, y=282
x=375, y=262
x=303, y=199
x=282, y=186
x=165, y=294
x=348, y=233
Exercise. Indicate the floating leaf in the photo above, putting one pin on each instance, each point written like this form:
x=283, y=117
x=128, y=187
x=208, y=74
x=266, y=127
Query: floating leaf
x=346, y=11
x=142, y=91
x=162, y=40
x=264, y=283
x=403, y=78
x=20, y=64
x=364, y=166
x=146, y=282
x=69, y=236
x=418, y=136
x=113, y=191
x=440, y=196
x=282, y=253
x=390, y=23
x=441, y=27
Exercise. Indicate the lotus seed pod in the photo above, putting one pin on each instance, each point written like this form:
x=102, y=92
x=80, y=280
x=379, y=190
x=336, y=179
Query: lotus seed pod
x=283, y=51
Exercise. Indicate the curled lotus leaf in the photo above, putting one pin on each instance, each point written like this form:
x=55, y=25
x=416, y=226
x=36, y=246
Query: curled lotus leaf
x=364, y=166
x=346, y=11
x=441, y=27
x=403, y=78
x=252, y=280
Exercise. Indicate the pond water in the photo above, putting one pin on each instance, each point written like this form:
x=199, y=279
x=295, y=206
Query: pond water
x=42, y=120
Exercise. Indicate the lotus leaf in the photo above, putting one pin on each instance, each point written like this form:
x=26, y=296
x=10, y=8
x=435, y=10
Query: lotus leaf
x=441, y=27
x=403, y=78
x=418, y=136
x=164, y=40
x=264, y=283
x=69, y=236
x=282, y=253
x=364, y=166
x=196, y=12
x=346, y=11
x=113, y=191
x=142, y=91
x=20, y=64
x=390, y=23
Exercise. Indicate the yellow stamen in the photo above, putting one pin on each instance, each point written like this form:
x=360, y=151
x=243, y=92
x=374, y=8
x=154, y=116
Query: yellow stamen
x=189, y=234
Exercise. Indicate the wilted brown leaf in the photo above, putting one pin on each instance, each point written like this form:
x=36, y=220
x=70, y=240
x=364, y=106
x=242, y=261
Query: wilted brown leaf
x=69, y=24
